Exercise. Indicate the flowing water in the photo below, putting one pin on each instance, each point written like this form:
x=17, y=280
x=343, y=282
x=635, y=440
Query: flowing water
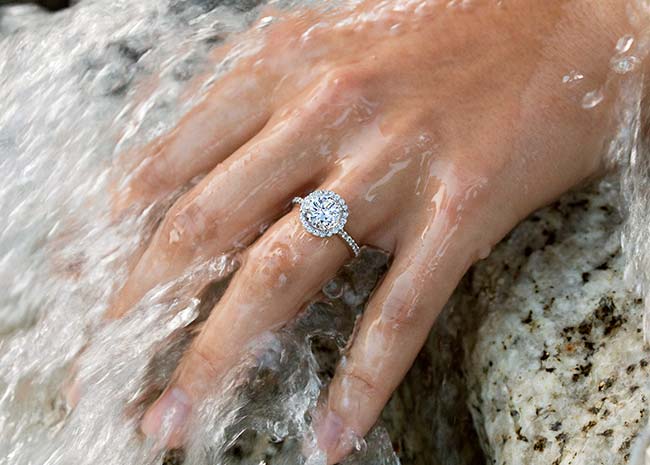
x=76, y=89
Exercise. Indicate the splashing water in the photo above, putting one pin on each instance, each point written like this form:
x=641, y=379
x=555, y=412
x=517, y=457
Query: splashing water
x=629, y=151
x=77, y=88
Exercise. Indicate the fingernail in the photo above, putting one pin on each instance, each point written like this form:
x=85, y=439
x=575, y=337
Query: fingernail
x=329, y=432
x=168, y=415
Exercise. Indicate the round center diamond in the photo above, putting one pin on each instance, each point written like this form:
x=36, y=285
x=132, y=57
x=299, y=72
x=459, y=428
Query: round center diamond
x=323, y=213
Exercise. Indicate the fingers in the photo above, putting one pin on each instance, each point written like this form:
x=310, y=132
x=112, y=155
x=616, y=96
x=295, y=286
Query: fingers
x=392, y=332
x=280, y=270
x=234, y=111
x=253, y=187
x=228, y=208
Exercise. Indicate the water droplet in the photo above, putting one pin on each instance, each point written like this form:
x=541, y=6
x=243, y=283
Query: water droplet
x=624, y=43
x=484, y=252
x=422, y=9
x=265, y=21
x=623, y=65
x=360, y=444
x=279, y=431
x=174, y=236
x=573, y=77
x=592, y=99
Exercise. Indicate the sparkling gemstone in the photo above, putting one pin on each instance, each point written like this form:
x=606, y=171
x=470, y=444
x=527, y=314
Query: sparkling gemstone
x=323, y=213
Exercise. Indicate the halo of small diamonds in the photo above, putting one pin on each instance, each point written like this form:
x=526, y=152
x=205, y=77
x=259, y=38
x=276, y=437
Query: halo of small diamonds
x=323, y=213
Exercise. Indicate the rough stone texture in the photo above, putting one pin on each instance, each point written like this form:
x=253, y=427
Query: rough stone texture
x=557, y=373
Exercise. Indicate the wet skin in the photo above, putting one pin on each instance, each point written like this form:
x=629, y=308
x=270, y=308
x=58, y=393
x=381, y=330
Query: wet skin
x=442, y=127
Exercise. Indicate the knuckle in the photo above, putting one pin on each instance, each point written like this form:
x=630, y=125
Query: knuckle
x=185, y=225
x=360, y=387
x=343, y=85
x=399, y=311
x=467, y=201
x=201, y=359
x=270, y=266
x=344, y=78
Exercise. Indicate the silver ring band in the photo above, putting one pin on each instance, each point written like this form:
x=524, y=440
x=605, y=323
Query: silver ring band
x=324, y=213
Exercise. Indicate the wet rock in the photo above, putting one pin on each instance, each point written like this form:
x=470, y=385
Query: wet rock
x=556, y=370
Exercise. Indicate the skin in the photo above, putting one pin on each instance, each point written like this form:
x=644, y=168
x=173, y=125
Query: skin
x=442, y=127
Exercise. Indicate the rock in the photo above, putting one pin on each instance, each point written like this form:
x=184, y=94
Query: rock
x=556, y=370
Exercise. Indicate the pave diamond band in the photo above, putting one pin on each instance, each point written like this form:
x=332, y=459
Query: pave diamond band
x=324, y=213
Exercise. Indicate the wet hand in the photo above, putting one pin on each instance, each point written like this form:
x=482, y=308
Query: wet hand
x=441, y=127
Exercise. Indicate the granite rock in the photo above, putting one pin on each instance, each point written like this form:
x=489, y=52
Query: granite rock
x=556, y=369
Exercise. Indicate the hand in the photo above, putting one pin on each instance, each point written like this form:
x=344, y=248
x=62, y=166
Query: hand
x=440, y=126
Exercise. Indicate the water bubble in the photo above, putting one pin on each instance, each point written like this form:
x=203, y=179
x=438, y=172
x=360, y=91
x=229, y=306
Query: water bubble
x=592, y=99
x=623, y=65
x=279, y=431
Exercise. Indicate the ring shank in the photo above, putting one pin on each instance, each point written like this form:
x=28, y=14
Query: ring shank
x=351, y=242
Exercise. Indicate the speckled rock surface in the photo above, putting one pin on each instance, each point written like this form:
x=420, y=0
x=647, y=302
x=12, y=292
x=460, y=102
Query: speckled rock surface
x=556, y=371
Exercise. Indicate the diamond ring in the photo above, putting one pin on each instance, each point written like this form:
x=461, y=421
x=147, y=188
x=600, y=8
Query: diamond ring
x=324, y=213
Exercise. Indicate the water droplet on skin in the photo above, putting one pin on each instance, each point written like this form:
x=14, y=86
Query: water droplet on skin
x=309, y=33
x=592, y=99
x=360, y=445
x=484, y=252
x=624, y=43
x=282, y=280
x=464, y=4
x=395, y=29
x=263, y=227
x=573, y=77
x=174, y=236
x=265, y=21
x=424, y=139
x=623, y=65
